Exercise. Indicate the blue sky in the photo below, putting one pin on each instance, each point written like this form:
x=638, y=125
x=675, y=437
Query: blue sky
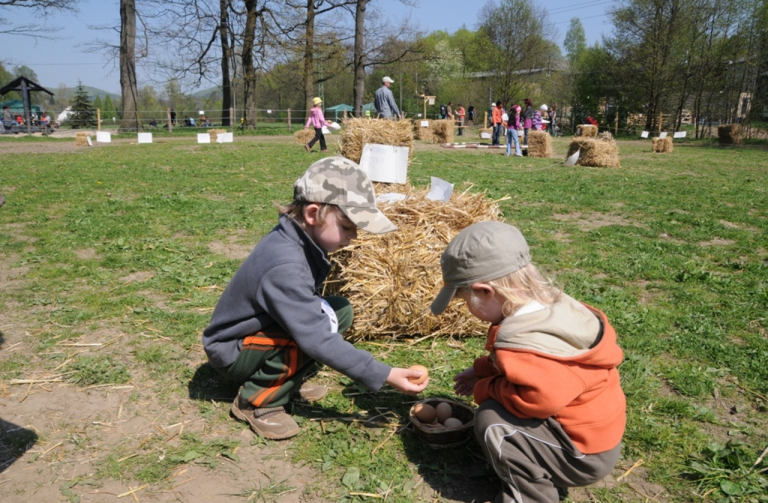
x=65, y=61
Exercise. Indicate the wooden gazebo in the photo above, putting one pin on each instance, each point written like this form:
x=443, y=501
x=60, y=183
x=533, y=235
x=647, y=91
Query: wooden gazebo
x=24, y=86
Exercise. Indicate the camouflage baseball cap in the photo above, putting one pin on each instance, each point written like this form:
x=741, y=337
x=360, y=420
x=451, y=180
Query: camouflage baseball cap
x=337, y=180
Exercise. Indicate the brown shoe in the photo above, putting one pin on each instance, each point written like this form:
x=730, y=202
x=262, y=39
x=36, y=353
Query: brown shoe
x=309, y=149
x=312, y=392
x=269, y=422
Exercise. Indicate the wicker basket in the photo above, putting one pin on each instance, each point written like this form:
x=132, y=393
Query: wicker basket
x=441, y=439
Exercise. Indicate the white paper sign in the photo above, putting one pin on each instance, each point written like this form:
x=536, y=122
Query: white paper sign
x=431, y=101
x=390, y=197
x=439, y=190
x=485, y=136
x=662, y=135
x=326, y=130
x=103, y=137
x=201, y=112
x=385, y=163
x=644, y=134
x=224, y=138
x=203, y=137
x=269, y=111
x=424, y=123
x=679, y=134
x=145, y=138
x=90, y=143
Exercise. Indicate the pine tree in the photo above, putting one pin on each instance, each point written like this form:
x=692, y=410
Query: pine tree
x=83, y=114
x=108, y=110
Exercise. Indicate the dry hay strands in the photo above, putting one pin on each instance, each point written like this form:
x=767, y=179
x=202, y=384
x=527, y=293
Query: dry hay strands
x=392, y=279
x=81, y=139
x=422, y=133
x=442, y=131
x=586, y=131
x=359, y=131
x=662, y=144
x=302, y=136
x=729, y=134
x=595, y=152
x=539, y=144
x=215, y=133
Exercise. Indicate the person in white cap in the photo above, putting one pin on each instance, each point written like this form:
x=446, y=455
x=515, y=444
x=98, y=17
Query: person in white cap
x=384, y=100
x=272, y=327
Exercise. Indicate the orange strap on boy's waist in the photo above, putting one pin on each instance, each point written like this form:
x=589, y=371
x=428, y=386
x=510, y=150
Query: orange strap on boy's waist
x=269, y=340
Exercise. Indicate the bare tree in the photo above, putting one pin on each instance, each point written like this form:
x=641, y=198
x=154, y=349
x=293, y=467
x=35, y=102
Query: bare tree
x=128, y=83
x=41, y=7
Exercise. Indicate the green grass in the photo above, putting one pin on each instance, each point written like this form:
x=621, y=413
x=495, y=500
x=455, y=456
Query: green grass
x=672, y=247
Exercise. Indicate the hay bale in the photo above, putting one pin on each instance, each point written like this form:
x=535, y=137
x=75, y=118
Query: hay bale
x=662, y=144
x=539, y=144
x=442, y=131
x=359, y=131
x=729, y=134
x=302, y=136
x=599, y=153
x=423, y=133
x=392, y=279
x=81, y=139
x=586, y=131
x=486, y=130
x=215, y=134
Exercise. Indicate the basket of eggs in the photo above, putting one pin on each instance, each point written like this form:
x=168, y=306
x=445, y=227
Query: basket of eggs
x=442, y=423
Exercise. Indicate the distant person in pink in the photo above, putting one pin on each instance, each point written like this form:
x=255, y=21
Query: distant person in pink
x=317, y=121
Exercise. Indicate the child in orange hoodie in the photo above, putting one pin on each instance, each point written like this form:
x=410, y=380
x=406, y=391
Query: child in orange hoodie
x=551, y=410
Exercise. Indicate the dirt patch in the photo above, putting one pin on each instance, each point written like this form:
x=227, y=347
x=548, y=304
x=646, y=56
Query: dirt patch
x=593, y=220
x=717, y=242
x=232, y=251
x=87, y=254
x=138, y=276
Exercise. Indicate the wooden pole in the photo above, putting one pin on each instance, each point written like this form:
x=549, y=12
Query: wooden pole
x=659, y=123
x=289, y=120
x=98, y=119
x=168, y=114
x=485, y=120
x=617, y=122
x=232, y=119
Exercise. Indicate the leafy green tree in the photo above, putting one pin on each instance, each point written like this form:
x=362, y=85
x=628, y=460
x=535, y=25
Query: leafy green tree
x=108, y=109
x=83, y=114
x=98, y=106
x=575, y=42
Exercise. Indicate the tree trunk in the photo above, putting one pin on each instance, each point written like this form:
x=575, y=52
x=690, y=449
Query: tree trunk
x=128, y=85
x=359, y=57
x=309, y=57
x=249, y=72
x=226, y=83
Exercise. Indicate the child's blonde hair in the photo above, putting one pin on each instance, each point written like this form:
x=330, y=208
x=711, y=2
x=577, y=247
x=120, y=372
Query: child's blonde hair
x=295, y=210
x=519, y=288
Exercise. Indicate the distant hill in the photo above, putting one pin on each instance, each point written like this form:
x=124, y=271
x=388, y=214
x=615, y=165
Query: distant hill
x=206, y=93
x=95, y=91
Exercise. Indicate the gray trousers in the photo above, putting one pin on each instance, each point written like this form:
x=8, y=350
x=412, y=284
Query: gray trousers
x=534, y=457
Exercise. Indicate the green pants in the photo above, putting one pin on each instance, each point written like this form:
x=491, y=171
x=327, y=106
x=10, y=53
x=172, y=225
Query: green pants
x=272, y=367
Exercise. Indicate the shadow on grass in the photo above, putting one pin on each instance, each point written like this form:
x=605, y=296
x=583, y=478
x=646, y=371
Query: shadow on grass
x=14, y=442
x=207, y=384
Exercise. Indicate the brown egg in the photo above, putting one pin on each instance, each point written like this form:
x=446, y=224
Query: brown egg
x=444, y=411
x=452, y=423
x=424, y=374
x=424, y=412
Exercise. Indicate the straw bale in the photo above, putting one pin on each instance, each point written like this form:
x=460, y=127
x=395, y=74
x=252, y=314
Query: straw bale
x=539, y=144
x=359, y=131
x=302, y=136
x=392, y=279
x=600, y=153
x=729, y=134
x=215, y=133
x=423, y=133
x=485, y=130
x=442, y=131
x=586, y=130
x=662, y=144
x=81, y=139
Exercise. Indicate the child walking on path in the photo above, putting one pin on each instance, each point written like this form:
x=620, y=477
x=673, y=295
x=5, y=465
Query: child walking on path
x=271, y=325
x=551, y=410
x=317, y=121
x=512, y=124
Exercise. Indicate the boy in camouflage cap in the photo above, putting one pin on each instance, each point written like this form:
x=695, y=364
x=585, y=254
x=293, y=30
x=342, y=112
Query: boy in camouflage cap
x=271, y=325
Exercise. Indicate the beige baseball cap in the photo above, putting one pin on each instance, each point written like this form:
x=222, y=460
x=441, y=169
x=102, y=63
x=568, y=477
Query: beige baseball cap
x=481, y=252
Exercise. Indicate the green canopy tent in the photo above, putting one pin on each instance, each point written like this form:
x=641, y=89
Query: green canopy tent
x=339, y=109
x=24, y=86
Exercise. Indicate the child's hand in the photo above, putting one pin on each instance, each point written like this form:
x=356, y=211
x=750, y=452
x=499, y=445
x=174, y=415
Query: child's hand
x=465, y=382
x=398, y=378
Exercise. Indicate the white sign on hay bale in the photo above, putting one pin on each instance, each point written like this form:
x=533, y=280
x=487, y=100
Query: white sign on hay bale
x=326, y=130
x=203, y=137
x=424, y=123
x=644, y=134
x=103, y=137
x=572, y=159
x=679, y=134
x=145, y=138
x=224, y=138
x=88, y=139
x=439, y=190
x=663, y=135
x=385, y=163
x=485, y=136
